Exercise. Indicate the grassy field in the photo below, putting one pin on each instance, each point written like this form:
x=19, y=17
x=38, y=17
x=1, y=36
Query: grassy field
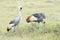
x=28, y=31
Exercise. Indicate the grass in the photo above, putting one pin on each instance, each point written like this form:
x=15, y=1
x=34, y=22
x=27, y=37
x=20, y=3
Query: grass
x=30, y=31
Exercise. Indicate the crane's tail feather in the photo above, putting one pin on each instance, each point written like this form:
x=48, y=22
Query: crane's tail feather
x=10, y=27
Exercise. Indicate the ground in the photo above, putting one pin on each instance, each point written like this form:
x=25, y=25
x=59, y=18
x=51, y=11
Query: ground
x=30, y=31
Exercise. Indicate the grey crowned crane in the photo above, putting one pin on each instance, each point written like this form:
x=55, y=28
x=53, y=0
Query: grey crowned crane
x=37, y=17
x=13, y=23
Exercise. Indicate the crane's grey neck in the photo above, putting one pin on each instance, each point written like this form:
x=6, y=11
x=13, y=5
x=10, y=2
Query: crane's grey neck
x=19, y=14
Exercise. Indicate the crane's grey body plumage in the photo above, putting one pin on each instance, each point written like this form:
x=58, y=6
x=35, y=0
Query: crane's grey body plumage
x=39, y=16
x=15, y=21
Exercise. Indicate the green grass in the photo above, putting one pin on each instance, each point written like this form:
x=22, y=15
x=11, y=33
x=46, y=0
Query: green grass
x=29, y=31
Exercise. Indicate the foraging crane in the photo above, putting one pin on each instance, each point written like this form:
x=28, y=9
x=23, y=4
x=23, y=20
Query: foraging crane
x=37, y=17
x=13, y=23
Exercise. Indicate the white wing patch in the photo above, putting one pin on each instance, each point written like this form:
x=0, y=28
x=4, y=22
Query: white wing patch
x=10, y=26
x=33, y=18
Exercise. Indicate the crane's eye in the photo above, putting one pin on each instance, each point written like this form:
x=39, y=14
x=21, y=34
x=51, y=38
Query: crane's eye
x=21, y=8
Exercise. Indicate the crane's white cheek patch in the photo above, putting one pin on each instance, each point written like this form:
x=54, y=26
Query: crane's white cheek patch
x=33, y=18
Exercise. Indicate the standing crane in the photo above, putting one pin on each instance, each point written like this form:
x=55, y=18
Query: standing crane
x=13, y=23
x=37, y=17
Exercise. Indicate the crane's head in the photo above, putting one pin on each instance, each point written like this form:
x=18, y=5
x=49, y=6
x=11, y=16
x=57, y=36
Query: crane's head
x=28, y=19
x=20, y=8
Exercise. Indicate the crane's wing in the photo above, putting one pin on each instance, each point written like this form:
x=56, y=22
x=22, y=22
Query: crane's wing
x=43, y=15
x=36, y=15
x=39, y=15
x=12, y=21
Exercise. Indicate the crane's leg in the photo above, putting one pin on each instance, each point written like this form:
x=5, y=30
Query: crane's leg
x=44, y=23
x=13, y=29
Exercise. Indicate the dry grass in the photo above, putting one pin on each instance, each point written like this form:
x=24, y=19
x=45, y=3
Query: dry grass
x=30, y=31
